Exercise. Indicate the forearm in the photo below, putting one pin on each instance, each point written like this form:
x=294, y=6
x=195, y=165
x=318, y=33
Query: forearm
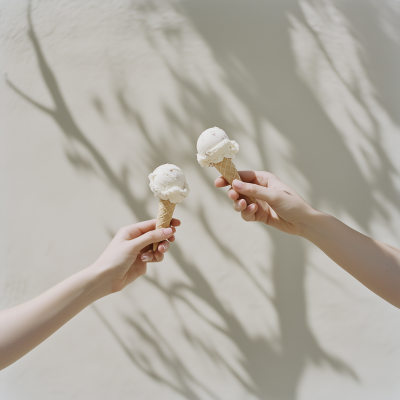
x=375, y=264
x=25, y=326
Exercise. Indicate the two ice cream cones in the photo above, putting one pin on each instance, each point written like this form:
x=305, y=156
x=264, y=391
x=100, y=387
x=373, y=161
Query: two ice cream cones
x=168, y=183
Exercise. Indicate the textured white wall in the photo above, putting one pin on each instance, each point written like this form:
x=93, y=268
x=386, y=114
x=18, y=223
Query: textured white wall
x=96, y=94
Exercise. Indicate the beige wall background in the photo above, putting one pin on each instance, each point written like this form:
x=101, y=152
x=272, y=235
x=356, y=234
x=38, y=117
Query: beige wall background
x=95, y=94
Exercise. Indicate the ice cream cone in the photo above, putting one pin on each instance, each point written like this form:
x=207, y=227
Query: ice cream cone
x=228, y=170
x=168, y=183
x=164, y=216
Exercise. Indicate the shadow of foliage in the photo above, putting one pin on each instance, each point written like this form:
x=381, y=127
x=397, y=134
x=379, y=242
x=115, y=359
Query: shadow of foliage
x=255, y=35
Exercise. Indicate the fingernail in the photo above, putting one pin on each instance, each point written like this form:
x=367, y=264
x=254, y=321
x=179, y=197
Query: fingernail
x=251, y=207
x=167, y=231
x=146, y=257
x=237, y=184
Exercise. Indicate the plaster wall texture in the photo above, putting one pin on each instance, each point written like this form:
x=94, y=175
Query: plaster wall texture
x=95, y=94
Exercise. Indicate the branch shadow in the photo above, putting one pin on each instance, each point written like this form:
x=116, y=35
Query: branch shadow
x=272, y=373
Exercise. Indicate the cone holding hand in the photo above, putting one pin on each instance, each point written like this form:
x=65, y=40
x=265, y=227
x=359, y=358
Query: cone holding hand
x=164, y=216
x=228, y=170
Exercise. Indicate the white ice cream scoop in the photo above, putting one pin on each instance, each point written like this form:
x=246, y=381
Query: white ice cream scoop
x=168, y=182
x=213, y=146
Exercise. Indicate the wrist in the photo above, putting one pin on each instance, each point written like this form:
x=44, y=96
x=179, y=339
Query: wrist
x=310, y=224
x=98, y=282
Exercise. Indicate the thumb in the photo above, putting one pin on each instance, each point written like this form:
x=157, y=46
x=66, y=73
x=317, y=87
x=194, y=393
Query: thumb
x=271, y=196
x=158, y=235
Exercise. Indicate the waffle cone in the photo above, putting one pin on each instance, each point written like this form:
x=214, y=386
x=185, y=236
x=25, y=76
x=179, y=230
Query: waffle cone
x=228, y=170
x=164, y=216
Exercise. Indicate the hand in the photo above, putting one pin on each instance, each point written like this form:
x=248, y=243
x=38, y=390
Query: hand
x=276, y=205
x=126, y=257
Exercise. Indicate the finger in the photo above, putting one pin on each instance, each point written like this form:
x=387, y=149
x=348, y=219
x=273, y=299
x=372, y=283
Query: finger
x=248, y=214
x=147, y=257
x=146, y=249
x=247, y=176
x=150, y=246
x=158, y=256
x=175, y=222
x=220, y=182
x=233, y=194
x=132, y=231
x=271, y=196
x=163, y=246
x=239, y=205
x=145, y=226
x=154, y=236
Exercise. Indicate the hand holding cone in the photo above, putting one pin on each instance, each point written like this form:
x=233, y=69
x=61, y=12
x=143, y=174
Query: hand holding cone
x=228, y=170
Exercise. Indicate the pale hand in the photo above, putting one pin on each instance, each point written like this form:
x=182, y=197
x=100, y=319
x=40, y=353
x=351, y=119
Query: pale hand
x=25, y=326
x=276, y=204
x=126, y=257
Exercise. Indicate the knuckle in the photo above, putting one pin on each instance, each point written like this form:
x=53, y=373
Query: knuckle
x=236, y=207
x=253, y=189
x=245, y=217
x=231, y=193
x=248, y=215
x=149, y=236
x=267, y=174
x=155, y=234
x=122, y=230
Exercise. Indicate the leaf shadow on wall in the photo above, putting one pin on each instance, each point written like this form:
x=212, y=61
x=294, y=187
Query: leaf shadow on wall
x=271, y=374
